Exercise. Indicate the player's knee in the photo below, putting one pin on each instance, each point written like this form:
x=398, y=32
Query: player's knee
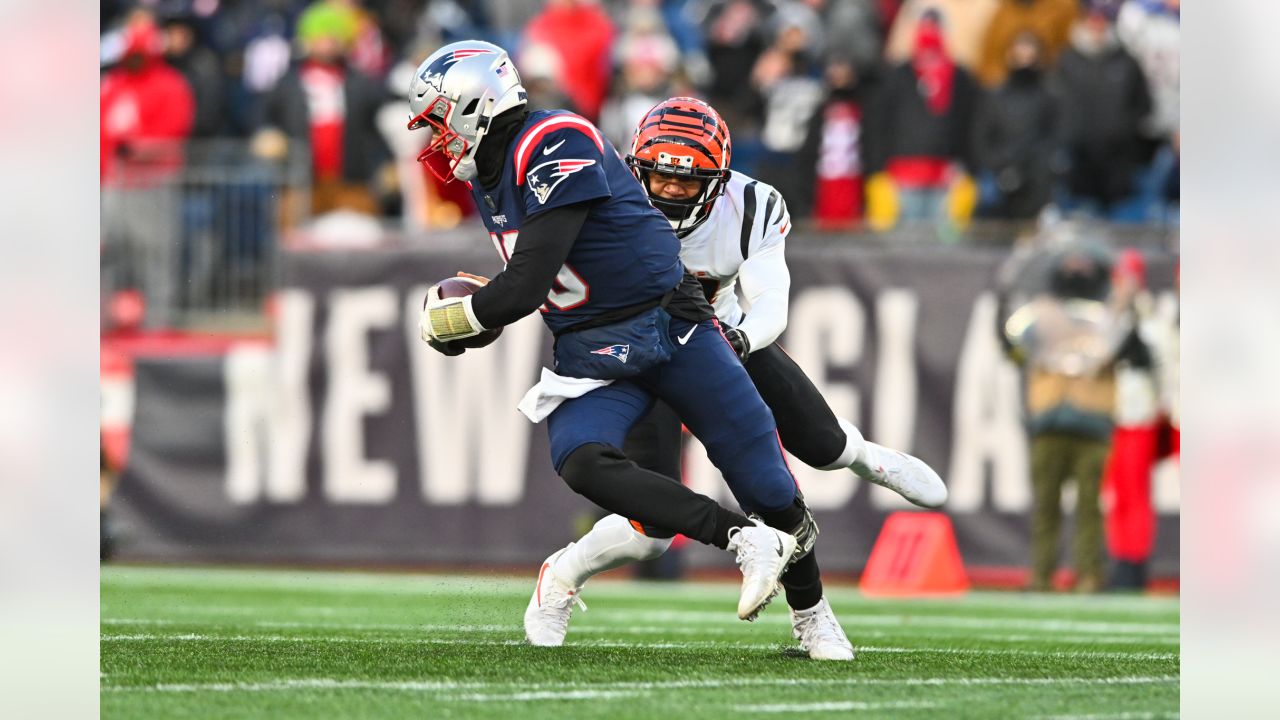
x=651, y=547
x=583, y=467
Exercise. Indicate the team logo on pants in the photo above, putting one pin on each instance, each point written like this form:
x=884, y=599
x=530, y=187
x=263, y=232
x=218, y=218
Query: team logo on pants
x=618, y=351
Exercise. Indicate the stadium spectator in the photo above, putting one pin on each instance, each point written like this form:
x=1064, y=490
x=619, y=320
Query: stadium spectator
x=540, y=68
x=647, y=60
x=582, y=35
x=919, y=144
x=1050, y=20
x=1104, y=101
x=1066, y=338
x=328, y=109
x=785, y=76
x=368, y=52
x=1130, y=517
x=1150, y=31
x=735, y=33
x=833, y=151
x=854, y=30
x=965, y=29
x=1015, y=135
x=147, y=111
x=147, y=106
x=202, y=69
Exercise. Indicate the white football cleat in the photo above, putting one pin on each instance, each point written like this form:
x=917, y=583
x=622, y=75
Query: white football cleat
x=546, y=619
x=763, y=555
x=820, y=633
x=908, y=476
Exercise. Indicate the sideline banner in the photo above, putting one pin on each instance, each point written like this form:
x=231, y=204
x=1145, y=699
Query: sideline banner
x=350, y=441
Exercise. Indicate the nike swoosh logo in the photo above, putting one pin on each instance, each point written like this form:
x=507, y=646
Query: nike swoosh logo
x=687, y=335
x=775, y=537
x=552, y=148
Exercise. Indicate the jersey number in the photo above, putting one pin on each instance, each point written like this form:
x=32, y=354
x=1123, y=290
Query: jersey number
x=568, y=290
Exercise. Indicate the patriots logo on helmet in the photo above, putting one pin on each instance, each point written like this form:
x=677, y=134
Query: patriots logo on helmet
x=434, y=73
x=618, y=351
x=545, y=177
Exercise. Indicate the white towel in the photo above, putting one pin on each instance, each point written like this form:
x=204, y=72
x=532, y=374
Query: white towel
x=551, y=390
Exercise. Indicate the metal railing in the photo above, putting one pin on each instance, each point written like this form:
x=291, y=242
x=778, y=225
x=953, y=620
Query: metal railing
x=197, y=231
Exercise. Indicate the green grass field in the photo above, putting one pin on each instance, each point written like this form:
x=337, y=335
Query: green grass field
x=299, y=644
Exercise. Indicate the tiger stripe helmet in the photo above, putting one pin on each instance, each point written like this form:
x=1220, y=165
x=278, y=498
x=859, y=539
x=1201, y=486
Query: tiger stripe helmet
x=683, y=136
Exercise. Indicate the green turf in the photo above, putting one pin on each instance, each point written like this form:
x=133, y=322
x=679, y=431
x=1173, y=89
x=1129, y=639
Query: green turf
x=296, y=644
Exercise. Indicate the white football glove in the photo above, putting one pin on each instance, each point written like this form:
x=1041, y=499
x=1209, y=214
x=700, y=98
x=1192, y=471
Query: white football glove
x=447, y=319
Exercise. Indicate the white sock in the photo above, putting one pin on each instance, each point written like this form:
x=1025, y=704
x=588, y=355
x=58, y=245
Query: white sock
x=612, y=543
x=853, y=446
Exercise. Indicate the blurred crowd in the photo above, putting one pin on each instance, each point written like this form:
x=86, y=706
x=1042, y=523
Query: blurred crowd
x=859, y=111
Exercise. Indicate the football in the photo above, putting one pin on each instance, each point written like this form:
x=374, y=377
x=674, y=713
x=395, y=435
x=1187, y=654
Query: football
x=462, y=287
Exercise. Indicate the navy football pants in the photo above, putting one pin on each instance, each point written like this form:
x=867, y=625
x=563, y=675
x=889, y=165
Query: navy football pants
x=711, y=392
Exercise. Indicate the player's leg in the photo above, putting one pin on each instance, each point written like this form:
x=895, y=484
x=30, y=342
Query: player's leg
x=810, y=439
x=585, y=435
x=614, y=541
x=812, y=432
x=705, y=384
x=1088, y=459
x=1049, y=464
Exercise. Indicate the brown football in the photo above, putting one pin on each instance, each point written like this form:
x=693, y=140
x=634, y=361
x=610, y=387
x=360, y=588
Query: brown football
x=462, y=287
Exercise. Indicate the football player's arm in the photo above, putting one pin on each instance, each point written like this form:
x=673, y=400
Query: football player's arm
x=766, y=283
x=545, y=241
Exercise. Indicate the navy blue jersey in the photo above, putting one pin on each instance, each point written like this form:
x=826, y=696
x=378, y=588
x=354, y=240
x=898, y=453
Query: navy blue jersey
x=626, y=252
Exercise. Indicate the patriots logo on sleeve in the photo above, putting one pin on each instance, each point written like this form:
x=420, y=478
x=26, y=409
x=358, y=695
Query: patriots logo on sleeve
x=544, y=178
x=621, y=352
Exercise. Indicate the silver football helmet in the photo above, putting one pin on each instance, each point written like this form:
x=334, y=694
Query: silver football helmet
x=456, y=93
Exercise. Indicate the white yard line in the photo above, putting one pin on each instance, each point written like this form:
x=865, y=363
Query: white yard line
x=1063, y=654
x=570, y=690
x=836, y=706
x=699, y=618
x=396, y=583
x=956, y=621
x=1113, y=716
x=592, y=626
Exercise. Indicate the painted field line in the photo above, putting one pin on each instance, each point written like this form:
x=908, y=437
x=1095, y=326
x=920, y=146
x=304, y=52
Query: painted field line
x=835, y=706
x=442, y=583
x=197, y=637
x=957, y=621
x=699, y=618
x=288, y=684
x=1112, y=716
x=585, y=627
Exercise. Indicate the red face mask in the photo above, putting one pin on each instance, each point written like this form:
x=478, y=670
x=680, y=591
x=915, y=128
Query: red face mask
x=447, y=148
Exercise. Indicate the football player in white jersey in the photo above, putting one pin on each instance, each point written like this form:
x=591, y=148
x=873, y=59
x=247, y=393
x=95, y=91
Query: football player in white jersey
x=733, y=232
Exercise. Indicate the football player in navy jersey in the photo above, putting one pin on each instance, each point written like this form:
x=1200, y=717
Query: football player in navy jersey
x=733, y=232
x=583, y=245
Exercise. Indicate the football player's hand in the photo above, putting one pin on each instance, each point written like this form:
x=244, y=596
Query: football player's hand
x=447, y=319
x=478, y=278
x=450, y=349
x=739, y=342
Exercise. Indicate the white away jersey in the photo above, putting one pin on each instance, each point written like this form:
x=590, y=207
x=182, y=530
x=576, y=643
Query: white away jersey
x=745, y=238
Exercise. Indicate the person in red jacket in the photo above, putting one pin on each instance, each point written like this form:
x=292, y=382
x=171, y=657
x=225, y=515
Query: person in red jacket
x=1130, y=517
x=582, y=35
x=147, y=106
x=147, y=112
